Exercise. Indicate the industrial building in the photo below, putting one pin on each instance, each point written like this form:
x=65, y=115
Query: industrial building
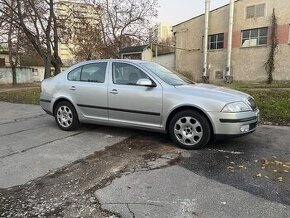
x=248, y=23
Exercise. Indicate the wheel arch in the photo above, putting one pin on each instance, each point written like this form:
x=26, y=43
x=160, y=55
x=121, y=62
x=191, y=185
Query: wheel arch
x=189, y=107
x=61, y=99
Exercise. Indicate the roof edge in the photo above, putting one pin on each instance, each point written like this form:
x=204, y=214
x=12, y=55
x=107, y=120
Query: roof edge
x=218, y=8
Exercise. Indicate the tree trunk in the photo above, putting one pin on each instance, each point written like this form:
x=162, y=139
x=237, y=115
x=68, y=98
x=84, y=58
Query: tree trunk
x=14, y=75
x=57, y=63
x=47, y=65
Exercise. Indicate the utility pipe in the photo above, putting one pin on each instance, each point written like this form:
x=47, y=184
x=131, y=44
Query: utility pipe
x=205, y=40
x=228, y=76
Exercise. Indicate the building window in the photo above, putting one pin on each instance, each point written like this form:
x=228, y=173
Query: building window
x=255, y=37
x=216, y=41
x=255, y=11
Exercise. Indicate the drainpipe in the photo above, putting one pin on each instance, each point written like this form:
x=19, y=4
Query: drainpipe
x=228, y=76
x=205, y=76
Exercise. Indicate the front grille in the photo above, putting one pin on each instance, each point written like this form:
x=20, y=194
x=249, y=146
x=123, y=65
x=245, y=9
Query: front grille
x=253, y=125
x=252, y=103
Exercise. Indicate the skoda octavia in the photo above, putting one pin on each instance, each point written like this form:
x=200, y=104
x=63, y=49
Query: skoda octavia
x=145, y=95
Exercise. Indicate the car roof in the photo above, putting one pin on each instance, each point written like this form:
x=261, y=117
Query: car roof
x=112, y=60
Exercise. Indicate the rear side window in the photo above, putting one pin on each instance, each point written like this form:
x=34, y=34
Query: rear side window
x=94, y=73
x=89, y=73
x=75, y=75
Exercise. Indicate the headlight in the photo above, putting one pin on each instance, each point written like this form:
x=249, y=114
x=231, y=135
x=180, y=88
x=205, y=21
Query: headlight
x=236, y=107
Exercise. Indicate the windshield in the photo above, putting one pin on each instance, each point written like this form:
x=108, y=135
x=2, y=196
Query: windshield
x=166, y=75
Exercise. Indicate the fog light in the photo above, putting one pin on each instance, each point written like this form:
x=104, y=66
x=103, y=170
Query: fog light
x=245, y=128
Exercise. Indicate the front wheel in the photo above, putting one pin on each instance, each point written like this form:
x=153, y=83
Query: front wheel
x=66, y=116
x=190, y=129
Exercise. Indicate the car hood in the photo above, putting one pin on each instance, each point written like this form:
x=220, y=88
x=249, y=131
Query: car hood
x=215, y=92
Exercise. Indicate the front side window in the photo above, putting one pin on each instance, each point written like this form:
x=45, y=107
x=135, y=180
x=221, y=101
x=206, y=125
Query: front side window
x=255, y=37
x=94, y=72
x=255, y=11
x=216, y=41
x=126, y=74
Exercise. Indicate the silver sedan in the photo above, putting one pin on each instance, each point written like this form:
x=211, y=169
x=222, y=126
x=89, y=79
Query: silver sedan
x=147, y=96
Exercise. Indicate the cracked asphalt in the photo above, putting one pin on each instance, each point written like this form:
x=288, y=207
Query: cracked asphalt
x=111, y=172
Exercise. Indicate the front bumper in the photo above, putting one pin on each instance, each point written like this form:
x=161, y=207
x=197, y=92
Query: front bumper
x=235, y=124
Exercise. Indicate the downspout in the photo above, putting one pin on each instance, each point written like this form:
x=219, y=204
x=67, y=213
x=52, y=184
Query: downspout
x=228, y=76
x=205, y=76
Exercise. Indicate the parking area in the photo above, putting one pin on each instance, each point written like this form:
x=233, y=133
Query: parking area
x=32, y=145
x=103, y=171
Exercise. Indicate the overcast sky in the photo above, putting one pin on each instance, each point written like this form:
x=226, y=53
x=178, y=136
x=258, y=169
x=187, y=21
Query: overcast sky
x=176, y=11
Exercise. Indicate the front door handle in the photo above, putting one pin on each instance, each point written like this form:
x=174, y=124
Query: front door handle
x=72, y=88
x=114, y=91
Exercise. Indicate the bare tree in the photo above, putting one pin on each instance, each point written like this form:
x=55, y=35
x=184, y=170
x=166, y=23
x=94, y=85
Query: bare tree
x=10, y=36
x=36, y=19
x=125, y=21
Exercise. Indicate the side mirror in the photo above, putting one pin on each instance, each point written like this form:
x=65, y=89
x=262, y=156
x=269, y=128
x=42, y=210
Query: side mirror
x=145, y=82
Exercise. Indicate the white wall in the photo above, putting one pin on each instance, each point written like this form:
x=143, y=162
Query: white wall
x=24, y=75
x=167, y=60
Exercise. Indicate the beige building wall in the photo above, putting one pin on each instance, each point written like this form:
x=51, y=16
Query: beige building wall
x=247, y=63
x=147, y=55
x=162, y=31
x=72, y=12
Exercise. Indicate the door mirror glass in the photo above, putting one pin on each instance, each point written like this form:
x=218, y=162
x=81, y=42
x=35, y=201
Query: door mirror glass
x=145, y=82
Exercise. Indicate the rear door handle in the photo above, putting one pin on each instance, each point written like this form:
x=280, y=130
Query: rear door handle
x=72, y=88
x=114, y=91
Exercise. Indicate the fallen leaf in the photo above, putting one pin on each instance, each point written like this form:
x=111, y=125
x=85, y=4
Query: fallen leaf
x=280, y=179
x=227, y=157
x=274, y=157
x=263, y=167
x=232, y=162
x=275, y=171
x=230, y=168
x=285, y=171
x=266, y=177
x=278, y=162
x=264, y=161
x=259, y=175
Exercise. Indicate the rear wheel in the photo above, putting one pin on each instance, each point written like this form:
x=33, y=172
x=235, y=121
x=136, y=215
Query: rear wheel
x=189, y=129
x=66, y=116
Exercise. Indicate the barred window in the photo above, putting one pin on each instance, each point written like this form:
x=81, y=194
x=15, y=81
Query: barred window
x=255, y=37
x=216, y=41
x=255, y=11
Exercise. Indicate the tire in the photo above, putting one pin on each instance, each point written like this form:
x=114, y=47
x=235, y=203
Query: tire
x=65, y=116
x=190, y=129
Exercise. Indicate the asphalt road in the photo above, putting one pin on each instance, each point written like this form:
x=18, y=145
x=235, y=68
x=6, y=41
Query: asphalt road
x=31, y=145
x=99, y=171
x=243, y=177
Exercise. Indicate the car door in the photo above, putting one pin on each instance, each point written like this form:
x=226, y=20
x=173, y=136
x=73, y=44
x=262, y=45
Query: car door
x=131, y=103
x=88, y=86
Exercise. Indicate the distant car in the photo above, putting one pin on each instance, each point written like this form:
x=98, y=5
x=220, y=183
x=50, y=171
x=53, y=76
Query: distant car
x=145, y=95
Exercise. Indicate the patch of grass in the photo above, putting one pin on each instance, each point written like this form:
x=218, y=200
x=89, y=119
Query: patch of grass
x=24, y=96
x=251, y=85
x=21, y=85
x=274, y=105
